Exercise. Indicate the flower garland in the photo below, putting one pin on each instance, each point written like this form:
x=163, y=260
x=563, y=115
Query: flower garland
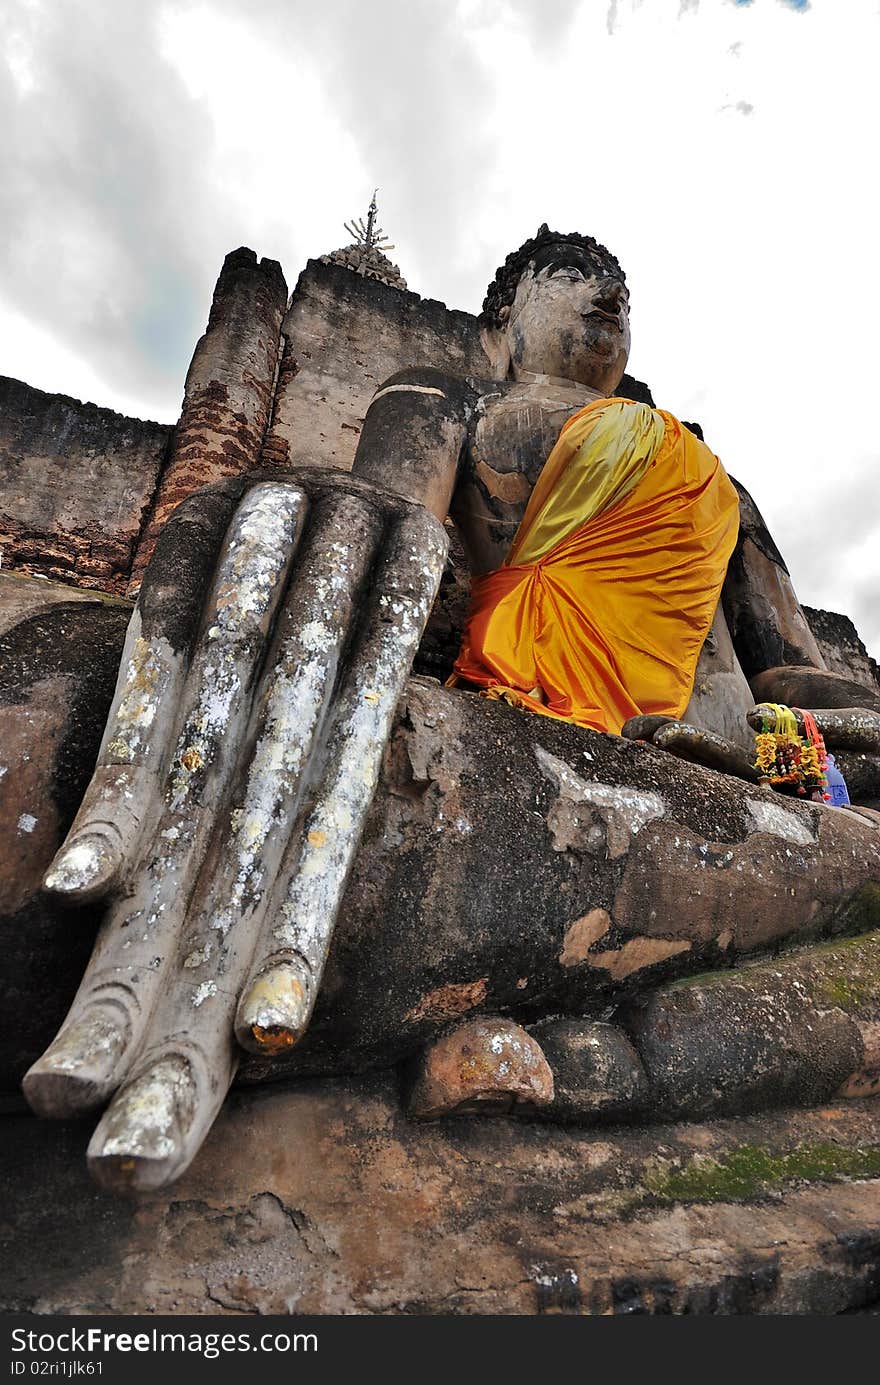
x=785, y=759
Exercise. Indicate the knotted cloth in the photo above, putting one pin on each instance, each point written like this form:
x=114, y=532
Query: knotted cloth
x=603, y=603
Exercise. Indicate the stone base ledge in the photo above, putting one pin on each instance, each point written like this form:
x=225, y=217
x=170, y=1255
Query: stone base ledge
x=321, y=1197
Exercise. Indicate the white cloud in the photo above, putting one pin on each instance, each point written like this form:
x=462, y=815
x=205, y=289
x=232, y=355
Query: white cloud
x=722, y=150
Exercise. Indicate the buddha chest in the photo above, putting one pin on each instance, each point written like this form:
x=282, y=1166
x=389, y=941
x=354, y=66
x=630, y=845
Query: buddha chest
x=511, y=435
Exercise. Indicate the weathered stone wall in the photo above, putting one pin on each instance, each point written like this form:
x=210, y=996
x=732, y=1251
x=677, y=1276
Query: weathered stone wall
x=75, y=484
x=841, y=647
x=344, y=335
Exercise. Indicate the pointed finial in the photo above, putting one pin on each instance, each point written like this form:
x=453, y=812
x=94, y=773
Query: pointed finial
x=369, y=236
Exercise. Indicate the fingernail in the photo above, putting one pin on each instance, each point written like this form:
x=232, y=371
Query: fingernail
x=141, y=1141
x=273, y=1013
x=83, y=867
x=79, y=1069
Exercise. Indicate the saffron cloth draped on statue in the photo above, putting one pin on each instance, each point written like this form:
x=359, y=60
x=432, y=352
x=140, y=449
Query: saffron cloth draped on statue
x=602, y=606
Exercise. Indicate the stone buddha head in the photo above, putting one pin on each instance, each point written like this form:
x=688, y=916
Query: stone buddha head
x=559, y=307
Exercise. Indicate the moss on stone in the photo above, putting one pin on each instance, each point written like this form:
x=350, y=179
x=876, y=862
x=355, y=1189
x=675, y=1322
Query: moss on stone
x=851, y=993
x=847, y=974
x=843, y=973
x=753, y=1171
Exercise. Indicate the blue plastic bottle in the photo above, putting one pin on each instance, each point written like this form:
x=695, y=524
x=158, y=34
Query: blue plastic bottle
x=836, y=784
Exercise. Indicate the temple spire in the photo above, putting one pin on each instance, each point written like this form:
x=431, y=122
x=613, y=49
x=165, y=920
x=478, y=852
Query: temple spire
x=365, y=255
x=369, y=236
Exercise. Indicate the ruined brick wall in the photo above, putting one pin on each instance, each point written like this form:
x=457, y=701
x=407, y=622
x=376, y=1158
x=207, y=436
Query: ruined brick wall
x=75, y=484
x=227, y=398
x=79, y=484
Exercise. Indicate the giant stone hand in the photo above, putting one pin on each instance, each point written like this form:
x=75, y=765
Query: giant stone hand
x=240, y=757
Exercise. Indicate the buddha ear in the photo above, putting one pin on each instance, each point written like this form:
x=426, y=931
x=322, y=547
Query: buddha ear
x=496, y=346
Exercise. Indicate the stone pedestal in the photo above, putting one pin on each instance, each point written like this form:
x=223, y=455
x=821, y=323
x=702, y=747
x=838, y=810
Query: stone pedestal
x=324, y=1198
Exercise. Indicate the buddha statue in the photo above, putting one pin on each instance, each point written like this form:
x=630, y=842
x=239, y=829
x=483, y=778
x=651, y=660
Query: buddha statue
x=271, y=643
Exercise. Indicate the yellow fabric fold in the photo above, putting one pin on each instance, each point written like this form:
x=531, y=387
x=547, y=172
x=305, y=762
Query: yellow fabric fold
x=601, y=609
x=602, y=453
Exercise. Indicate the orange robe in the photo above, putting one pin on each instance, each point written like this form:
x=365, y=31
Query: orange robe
x=601, y=609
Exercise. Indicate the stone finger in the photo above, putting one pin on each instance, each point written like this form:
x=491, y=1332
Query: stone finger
x=229, y=903
x=705, y=748
x=278, y=999
x=125, y=786
x=126, y=779
x=156, y=1123
x=644, y=727
x=850, y=728
x=130, y=959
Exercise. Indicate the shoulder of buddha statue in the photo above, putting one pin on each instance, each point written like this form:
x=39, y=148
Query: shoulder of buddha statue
x=752, y=526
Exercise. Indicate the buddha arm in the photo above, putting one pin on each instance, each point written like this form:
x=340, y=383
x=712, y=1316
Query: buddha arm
x=414, y=435
x=766, y=620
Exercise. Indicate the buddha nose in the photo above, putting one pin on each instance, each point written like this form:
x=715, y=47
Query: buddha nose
x=608, y=295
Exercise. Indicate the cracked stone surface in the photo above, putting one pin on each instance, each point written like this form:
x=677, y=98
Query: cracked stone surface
x=325, y=1198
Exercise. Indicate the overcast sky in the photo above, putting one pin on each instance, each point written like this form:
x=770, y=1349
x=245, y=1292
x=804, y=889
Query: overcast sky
x=725, y=150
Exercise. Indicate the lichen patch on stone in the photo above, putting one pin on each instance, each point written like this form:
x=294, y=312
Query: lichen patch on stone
x=769, y=815
x=635, y=806
x=204, y=992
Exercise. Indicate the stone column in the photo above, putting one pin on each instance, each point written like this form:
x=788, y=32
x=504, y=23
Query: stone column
x=228, y=393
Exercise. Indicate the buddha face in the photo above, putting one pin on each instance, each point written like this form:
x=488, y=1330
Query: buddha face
x=569, y=319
